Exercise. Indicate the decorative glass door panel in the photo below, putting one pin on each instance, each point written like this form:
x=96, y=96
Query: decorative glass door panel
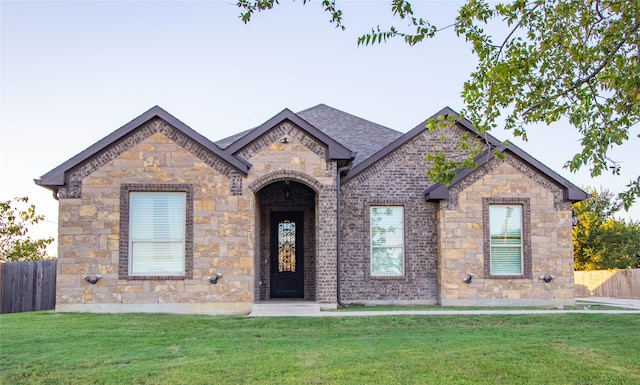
x=286, y=246
x=287, y=278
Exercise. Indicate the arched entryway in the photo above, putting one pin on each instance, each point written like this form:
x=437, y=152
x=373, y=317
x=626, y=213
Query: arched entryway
x=286, y=247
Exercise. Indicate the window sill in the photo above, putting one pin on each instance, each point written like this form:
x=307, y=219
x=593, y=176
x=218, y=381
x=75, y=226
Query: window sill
x=387, y=277
x=521, y=276
x=156, y=277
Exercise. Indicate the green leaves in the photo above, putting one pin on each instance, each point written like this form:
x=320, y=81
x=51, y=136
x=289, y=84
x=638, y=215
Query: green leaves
x=401, y=8
x=249, y=7
x=577, y=61
x=457, y=151
x=558, y=59
x=15, y=243
x=574, y=60
x=601, y=241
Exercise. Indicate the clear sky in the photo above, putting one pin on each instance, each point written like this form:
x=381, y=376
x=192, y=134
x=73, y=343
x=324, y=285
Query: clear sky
x=72, y=72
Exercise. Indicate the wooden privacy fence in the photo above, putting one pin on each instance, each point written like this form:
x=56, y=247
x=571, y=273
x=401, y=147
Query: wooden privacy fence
x=608, y=283
x=28, y=286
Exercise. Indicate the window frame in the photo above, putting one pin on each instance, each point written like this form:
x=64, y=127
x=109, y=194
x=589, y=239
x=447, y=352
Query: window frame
x=125, y=255
x=525, y=238
x=402, y=245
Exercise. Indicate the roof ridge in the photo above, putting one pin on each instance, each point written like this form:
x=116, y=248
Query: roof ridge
x=348, y=114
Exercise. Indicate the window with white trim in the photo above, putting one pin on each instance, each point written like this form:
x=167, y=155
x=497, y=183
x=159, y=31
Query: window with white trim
x=157, y=233
x=505, y=226
x=387, y=240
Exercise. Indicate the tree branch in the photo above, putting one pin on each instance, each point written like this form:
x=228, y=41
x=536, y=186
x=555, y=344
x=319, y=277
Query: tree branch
x=515, y=28
x=598, y=106
x=592, y=75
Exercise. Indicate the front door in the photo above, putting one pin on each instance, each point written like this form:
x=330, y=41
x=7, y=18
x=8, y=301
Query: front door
x=287, y=277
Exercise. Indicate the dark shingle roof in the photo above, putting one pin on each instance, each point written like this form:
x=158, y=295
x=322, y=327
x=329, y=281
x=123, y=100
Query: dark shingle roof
x=343, y=135
x=357, y=134
x=229, y=140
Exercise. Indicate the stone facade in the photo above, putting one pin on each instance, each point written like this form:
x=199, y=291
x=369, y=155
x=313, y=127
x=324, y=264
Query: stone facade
x=232, y=193
x=89, y=238
x=547, y=235
x=223, y=224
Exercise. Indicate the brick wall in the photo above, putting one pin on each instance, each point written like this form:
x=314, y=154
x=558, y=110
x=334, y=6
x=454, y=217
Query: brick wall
x=273, y=198
x=398, y=179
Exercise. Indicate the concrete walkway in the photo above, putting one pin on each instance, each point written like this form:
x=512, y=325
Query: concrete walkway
x=310, y=309
x=608, y=301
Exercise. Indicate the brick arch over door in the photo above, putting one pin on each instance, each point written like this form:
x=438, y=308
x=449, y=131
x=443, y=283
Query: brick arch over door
x=290, y=175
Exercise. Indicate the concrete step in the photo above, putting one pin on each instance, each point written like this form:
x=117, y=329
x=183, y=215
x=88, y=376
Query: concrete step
x=285, y=309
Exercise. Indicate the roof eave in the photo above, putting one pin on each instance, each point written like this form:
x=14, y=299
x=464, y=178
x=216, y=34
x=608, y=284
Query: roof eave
x=335, y=151
x=438, y=192
x=56, y=177
x=571, y=193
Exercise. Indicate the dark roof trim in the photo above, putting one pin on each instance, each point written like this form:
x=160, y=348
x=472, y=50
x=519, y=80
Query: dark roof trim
x=571, y=192
x=417, y=130
x=56, y=177
x=439, y=191
x=335, y=151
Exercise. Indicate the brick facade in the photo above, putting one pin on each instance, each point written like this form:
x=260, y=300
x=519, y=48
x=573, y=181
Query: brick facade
x=228, y=223
x=398, y=179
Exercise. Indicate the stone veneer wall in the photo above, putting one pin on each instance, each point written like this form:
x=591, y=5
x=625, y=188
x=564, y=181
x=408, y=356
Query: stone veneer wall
x=224, y=221
x=223, y=226
x=461, y=251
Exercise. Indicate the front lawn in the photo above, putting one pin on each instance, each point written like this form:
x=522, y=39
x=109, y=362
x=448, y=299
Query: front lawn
x=54, y=348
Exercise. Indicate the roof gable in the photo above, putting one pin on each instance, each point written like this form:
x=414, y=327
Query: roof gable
x=403, y=139
x=335, y=150
x=57, y=177
x=439, y=191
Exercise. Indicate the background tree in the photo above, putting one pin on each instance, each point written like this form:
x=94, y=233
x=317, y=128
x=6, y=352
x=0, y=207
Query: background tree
x=601, y=241
x=15, y=243
x=558, y=59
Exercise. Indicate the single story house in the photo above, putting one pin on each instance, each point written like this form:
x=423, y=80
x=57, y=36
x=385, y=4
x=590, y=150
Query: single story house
x=319, y=206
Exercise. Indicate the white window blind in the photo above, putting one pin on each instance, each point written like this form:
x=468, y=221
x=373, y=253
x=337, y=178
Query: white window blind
x=157, y=233
x=387, y=240
x=506, y=239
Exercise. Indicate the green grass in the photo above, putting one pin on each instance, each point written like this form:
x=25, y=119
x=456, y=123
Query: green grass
x=580, y=349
